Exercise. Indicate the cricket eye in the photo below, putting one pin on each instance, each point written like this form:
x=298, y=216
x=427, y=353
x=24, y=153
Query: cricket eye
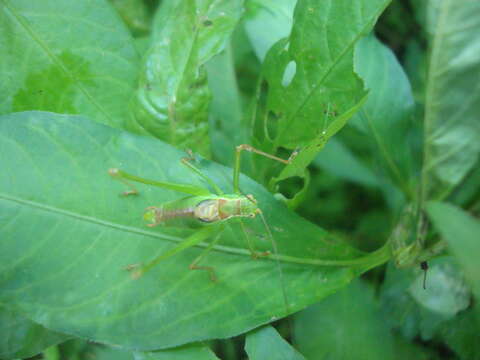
x=251, y=198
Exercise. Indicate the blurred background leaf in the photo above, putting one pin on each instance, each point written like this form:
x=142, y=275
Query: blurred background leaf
x=452, y=99
x=173, y=94
x=266, y=343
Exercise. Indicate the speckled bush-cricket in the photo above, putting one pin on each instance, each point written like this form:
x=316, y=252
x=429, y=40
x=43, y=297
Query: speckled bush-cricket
x=202, y=209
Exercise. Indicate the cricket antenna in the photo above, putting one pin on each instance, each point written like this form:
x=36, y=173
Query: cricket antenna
x=275, y=251
x=424, y=267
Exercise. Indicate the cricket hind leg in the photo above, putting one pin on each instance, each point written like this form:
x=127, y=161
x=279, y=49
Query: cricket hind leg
x=137, y=270
x=117, y=174
x=210, y=269
x=253, y=253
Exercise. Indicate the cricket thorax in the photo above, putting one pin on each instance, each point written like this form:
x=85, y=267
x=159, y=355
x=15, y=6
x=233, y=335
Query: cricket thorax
x=225, y=208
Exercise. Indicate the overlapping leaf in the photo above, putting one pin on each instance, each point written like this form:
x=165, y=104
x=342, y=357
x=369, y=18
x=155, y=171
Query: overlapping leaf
x=266, y=343
x=452, y=100
x=173, y=96
x=23, y=338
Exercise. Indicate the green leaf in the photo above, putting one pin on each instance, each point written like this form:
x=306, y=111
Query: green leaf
x=345, y=321
x=266, y=343
x=461, y=231
x=66, y=56
x=67, y=236
x=23, y=338
x=135, y=14
x=445, y=320
x=452, y=100
x=173, y=95
x=313, y=88
x=187, y=352
x=339, y=160
x=387, y=114
x=226, y=127
x=268, y=21
x=416, y=311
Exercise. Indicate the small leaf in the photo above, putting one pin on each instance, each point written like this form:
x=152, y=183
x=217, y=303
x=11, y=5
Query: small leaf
x=173, y=96
x=266, y=343
x=451, y=126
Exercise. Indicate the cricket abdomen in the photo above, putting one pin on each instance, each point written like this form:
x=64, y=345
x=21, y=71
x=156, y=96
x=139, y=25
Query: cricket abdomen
x=163, y=215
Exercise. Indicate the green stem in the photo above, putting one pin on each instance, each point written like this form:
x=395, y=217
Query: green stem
x=371, y=260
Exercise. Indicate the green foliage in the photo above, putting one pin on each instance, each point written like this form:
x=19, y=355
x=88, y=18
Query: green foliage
x=381, y=112
x=266, y=343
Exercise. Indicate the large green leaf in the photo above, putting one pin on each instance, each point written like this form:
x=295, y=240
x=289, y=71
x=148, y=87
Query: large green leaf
x=266, y=343
x=173, y=95
x=23, y=338
x=312, y=86
x=66, y=56
x=452, y=99
x=67, y=235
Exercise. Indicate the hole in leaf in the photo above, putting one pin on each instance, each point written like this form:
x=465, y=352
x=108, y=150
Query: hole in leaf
x=289, y=73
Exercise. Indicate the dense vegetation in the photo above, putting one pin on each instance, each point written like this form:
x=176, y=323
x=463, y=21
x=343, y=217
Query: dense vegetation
x=375, y=103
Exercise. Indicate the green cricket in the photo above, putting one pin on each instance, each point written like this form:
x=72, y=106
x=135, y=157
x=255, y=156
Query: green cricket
x=202, y=210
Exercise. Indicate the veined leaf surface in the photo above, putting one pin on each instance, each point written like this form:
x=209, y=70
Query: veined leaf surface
x=67, y=234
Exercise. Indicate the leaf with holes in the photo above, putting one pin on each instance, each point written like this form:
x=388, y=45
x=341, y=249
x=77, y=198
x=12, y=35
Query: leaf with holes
x=312, y=86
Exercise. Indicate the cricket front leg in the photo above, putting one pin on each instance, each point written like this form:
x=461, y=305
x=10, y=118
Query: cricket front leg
x=249, y=148
x=183, y=188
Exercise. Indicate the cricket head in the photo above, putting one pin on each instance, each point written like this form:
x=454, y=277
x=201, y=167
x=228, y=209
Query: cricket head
x=249, y=206
x=150, y=216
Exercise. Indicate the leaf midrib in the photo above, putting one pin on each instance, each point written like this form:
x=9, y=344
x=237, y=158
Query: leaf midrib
x=429, y=93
